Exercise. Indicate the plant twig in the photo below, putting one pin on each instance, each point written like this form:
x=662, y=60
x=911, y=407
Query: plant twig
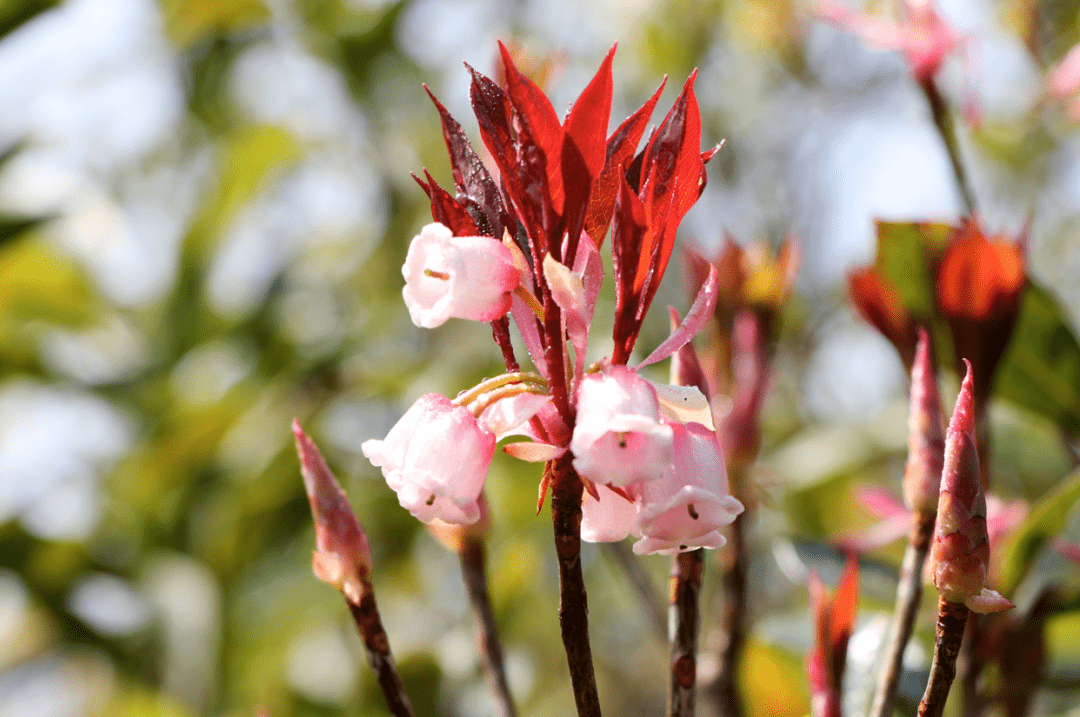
x=947, y=129
x=566, y=491
x=473, y=570
x=644, y=587
x=366, y=616
x=686, y=569
x=725, y=688
x=908, y=597
x=952, y=617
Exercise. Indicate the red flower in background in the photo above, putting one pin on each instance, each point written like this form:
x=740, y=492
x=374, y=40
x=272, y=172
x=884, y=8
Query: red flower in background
x=979, y=284
x=834, y=620
x=879, y=303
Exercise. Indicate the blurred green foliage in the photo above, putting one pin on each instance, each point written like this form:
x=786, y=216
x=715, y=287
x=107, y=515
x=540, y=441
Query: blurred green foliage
x=203, y=516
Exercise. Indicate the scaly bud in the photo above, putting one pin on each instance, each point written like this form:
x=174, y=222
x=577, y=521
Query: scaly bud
x=926, y=440
x=342, y=557
x=961, y=549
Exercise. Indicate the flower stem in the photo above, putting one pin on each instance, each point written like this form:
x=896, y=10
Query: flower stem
x=490, y=384
x=946, y=127
x=473, y=569
x=566, y=491
x=725, y=688
x=908, y=597
x=648, y=595
x=686, y=569
x=952, y=617
x=377, y=645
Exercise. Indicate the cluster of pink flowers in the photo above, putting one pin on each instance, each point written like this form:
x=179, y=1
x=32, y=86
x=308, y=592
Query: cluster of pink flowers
x=527, y=246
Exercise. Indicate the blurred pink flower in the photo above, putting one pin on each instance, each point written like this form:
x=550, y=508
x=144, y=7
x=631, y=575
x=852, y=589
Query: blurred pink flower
x=922, y=35
x=464, y=277
x=686, y=507
x=1063, y=82
x=436, y=459
x=1002, y=517
x=618, y=438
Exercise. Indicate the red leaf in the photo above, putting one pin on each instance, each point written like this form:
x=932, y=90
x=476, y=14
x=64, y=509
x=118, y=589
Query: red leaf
x=540, y=123
x=471, y=178
x=620, y=149
x=584, y=151
x=627, y=231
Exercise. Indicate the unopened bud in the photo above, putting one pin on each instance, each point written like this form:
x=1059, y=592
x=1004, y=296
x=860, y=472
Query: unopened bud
x=961, y=549
x=343, y=556
x=926, y=439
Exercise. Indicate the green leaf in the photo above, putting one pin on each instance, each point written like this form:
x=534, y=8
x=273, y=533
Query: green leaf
x=1045, y=521
x=1041, y=368
x=906, y=253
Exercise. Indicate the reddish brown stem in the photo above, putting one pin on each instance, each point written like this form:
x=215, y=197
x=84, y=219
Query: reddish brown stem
x=952, y=618
x=566, y=490
x=377, y=645
x=908, y=597
x=725, y=688
x=686, y=569
x=500, y=331
x=473, y=570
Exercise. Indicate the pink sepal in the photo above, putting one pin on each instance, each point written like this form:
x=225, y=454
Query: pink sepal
x=988, y=601
x=510, y=416
x=700, y=312
x=533, y=452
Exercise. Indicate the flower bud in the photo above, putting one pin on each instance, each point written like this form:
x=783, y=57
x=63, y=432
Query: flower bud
x=961, y=549
x=343, y=555
x=926, y=438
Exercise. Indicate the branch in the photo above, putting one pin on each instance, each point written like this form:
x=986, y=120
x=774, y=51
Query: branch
x=908, y=597
x=686, y=569
x=725, y=688
x=377, y=645
x=952, y=617
x=566, y=491
x=946, y=127
x=472, y=557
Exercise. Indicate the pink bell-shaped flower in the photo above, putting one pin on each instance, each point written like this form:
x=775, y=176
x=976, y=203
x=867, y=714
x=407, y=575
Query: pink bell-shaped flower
x=618, y=438
x=607, y=520
x=686, y=507
x=464, y=277
x=436, y=459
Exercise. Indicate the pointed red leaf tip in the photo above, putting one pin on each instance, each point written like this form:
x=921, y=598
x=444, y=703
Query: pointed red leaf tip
x=343, y=556
x=961, y=550
x=926, y=437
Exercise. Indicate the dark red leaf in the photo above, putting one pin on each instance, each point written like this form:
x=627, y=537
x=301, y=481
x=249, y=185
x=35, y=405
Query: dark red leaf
x=627, y=231
x=520, y=161
x=446, y=210
x=541, y=124
x=473, y=182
